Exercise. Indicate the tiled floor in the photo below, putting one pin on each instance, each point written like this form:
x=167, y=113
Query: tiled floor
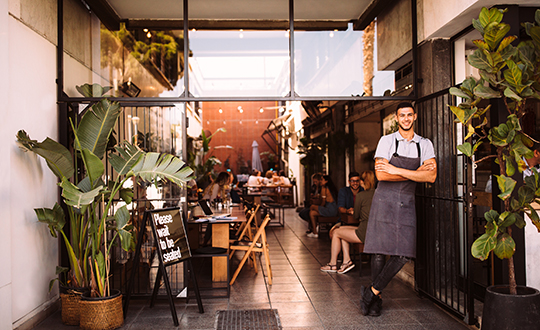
x=305, y=297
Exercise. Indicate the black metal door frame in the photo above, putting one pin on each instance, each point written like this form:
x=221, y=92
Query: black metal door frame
x=443, y=263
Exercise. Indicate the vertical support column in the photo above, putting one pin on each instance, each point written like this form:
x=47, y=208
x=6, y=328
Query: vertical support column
x=414, y=38
x=291, y=47
x=186, y=50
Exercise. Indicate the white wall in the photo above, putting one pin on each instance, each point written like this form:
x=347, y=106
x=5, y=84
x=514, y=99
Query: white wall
x=5, y=210
x=31, y=106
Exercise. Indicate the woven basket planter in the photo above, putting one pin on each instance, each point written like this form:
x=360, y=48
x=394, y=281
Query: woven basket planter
x=70, y=308
x=101, y=313
x=70, y=298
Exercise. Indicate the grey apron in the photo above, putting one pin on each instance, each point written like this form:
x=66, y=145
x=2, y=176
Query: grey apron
x=392, y=220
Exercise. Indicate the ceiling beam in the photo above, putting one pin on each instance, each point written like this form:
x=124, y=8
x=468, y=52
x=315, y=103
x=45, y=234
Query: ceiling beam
x=105, y=12
x=371, y=12
x=208, y=24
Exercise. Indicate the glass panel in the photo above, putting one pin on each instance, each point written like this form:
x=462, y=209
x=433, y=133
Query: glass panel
x=331, y=63
x=239, y=63
x=139, y=62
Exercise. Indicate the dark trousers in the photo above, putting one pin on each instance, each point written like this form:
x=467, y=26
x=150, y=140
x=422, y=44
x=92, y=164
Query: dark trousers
x=382, y=270
x=304, y=214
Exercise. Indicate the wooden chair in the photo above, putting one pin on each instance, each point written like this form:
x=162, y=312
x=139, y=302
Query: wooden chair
x=245, y=228
x=258, y=244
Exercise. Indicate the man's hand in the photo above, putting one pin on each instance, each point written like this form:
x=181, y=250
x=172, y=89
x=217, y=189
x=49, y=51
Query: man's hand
x=350, y=211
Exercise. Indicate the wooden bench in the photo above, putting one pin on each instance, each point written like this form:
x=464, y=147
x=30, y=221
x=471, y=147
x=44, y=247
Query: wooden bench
x=326, y=221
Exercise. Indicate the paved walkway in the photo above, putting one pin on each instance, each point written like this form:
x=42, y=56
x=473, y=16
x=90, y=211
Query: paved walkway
x=305, y=297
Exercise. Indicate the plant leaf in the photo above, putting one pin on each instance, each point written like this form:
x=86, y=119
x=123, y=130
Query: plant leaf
x=459, y=93
x=128, y=156
x=505, y=42
x=54, y=218
x=482, y=246
x=122, y=218
x=152, y=166
x=486, y=92
x=513, y=74
x=506, y=185
x=511, y=94
x=75, y=197
x=466, y=149
x=58, y=157
x=494, y=32
x=96, y=126
x=94, y=166
x=505, y=247
x=479, y=60
x=463, y=115
x=533, y=215
x=508, y=220
x=490, y=15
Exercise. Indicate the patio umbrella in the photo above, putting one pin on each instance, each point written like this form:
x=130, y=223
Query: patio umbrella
x=256, y=157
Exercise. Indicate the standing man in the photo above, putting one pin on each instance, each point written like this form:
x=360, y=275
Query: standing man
x=402, y=159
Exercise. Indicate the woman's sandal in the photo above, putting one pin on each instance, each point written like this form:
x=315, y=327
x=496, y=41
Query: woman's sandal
x=329, y=268
x=345, y=267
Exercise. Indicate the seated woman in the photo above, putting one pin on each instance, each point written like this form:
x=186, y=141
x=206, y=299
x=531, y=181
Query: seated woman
x=218, y=188
x=328, y=207
x=344, y=235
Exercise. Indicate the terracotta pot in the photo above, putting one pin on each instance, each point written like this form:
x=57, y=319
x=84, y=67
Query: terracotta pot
x=103, y=313
x=503, y=311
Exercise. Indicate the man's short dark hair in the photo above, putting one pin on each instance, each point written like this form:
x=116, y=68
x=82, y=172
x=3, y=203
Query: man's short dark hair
x=353, y=174
x=405, y=105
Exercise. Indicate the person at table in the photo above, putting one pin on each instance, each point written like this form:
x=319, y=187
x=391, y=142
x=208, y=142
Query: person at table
x=254, y=179
x=268, y=178
x=349, y=234
x=283, y=178
x=315, y=192
x=218, y=188
x=216, y=191
x=328, y=207
x=345, y=200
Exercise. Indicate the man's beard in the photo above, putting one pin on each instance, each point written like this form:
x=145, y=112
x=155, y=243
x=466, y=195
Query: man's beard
x=405, y=129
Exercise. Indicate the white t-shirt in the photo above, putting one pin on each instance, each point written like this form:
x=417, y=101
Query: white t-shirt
x=387, y=147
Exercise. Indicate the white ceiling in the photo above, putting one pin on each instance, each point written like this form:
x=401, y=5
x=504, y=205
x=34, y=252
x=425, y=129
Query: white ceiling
x=319, y=10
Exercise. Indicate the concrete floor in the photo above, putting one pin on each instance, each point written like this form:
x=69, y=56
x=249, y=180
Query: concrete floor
x=305, y=297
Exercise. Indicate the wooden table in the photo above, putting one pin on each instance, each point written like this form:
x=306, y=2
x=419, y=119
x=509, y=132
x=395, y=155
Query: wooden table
x=220, y=238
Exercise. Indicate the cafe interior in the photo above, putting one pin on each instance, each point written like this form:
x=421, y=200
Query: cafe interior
x=255, y=98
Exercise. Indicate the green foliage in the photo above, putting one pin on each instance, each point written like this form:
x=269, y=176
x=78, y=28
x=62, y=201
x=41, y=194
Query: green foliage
x=513, y=74
x=89, y=203
x=200, y=158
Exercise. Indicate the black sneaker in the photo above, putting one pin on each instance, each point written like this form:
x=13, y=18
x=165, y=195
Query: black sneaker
x=367, y=299
x=376, y=308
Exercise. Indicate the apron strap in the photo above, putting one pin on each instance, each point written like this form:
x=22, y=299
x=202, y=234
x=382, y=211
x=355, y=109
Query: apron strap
x=417, y=148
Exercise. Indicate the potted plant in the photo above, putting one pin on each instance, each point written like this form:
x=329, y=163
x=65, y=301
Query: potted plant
x=270, y=159
x=510, y=73
x=95, y=225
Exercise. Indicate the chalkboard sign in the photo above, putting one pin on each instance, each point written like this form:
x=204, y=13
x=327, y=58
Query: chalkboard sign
x=172, y=246
x=170, y=235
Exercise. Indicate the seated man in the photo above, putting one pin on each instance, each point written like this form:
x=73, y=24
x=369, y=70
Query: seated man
x=349, y=234
x=314, y=199
x=346, y=195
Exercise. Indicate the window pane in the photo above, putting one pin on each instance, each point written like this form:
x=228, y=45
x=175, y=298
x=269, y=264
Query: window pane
x=332, y=63
x=239, y=63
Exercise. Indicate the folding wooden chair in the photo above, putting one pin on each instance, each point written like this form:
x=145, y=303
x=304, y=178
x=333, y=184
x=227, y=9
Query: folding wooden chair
x=258, y=244
x=245, y=227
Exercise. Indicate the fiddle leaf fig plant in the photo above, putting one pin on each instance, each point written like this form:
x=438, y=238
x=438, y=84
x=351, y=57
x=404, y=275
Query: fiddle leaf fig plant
x=510, y=73
x=95, y=226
